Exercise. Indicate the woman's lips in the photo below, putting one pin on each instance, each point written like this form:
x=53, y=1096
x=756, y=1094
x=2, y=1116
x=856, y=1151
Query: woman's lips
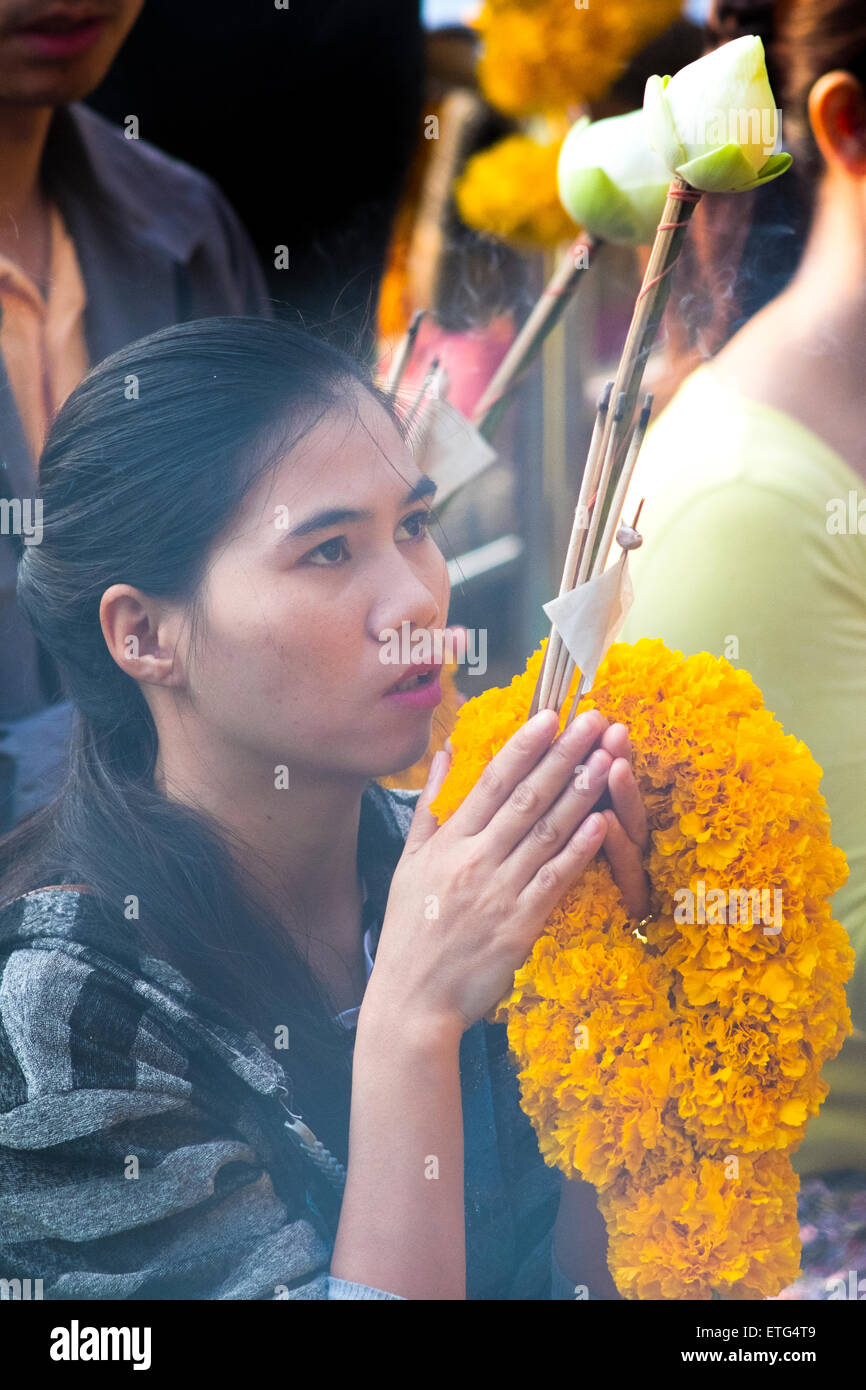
x=50, y=39
x=425, y=695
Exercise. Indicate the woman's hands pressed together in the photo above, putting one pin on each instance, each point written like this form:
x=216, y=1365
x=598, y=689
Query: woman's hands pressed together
x=469, y=898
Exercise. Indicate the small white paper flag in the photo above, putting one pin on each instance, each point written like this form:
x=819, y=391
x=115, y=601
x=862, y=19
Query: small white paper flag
x=589, y=617
x=451, y=449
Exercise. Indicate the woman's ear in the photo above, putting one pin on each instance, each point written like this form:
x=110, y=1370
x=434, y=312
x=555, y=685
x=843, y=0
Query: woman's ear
x=837, y=112
x=141, y=634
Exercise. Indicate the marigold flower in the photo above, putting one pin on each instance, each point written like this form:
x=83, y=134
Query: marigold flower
x=657, y=1071
x=510, y=191
x=545, y=55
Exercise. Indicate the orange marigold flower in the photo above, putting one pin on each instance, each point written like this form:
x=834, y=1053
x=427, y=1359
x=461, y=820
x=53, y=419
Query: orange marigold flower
x=510, y=191
x=713, y=1226
x=544, y=55
x=655, y=1071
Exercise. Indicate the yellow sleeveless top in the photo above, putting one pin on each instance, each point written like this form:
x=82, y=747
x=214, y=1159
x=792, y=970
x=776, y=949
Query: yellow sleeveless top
x=752, y=550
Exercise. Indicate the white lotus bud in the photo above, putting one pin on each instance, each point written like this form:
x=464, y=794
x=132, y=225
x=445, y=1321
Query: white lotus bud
x=610, y=181
x=715, y=123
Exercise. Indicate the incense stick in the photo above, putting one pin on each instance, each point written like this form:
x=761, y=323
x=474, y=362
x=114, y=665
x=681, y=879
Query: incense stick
x=649, y=306
x=403, y=355
x=646, y=317
x=555, y=652
x=545, y=315
x=429, y=376
x=588, y=486
x=579, y=526
x=598, y=561
x=625, y=549
x=614, y=511
x=565, y=665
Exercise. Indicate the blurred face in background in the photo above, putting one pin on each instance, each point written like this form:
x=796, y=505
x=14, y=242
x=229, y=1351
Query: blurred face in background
x=56, y=51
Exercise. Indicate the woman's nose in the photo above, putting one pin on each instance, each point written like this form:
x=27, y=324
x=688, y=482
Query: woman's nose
x=419, y=610
x=408, y=597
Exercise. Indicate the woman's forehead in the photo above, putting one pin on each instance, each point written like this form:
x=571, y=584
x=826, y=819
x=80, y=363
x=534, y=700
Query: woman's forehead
x=353, y=456
x=357, y=427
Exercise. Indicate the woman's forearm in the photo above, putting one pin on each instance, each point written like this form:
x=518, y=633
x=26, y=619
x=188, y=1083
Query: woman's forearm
x=402, y=1224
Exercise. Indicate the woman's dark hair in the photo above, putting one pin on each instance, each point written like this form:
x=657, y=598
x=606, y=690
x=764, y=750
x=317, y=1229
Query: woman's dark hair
x=144, y=468
x=736, y=261
x=802, y=39
x=814, y=37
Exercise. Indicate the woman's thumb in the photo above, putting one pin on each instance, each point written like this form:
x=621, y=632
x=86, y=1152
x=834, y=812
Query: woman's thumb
x=424, y=823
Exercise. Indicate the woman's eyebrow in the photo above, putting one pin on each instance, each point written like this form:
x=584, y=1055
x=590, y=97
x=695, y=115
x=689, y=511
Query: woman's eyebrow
x=335, y=516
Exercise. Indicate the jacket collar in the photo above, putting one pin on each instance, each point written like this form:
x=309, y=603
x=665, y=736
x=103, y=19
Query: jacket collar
x=88, y=162
x=132, y=215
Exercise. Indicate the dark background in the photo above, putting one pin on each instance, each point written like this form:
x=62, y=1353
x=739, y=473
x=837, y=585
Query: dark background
x=306, y=118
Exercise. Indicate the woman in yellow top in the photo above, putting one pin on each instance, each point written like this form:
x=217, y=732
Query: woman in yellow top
x=755, y=544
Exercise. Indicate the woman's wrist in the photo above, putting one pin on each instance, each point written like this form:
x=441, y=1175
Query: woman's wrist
x=390, y=1022
x=399, y=1231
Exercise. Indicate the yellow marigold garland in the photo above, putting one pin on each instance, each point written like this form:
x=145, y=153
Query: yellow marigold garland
x=542, y=60
x=678, y=1075
x=547, y=55
x=510, y=191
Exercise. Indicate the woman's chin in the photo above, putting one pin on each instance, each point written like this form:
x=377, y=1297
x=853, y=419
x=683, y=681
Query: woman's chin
x=406, y=755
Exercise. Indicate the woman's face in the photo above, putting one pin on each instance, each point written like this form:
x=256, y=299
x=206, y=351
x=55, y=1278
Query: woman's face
x=329, y=552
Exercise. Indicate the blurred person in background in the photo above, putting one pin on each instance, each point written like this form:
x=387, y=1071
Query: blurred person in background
x=755, y=544
x=102, y=239
x=306, y=115
x=743, y=248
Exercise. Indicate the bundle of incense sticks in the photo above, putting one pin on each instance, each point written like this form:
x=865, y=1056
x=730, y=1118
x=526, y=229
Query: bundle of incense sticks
x=403, y=355
x=545, y=315
x=590, y=545
x=616, y=439
x=615, y=443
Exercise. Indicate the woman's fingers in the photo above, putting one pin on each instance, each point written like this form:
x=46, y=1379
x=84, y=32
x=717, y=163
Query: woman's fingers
x=616, y=742
x=504, y=772
x=551, y=831
x=531, y=799
x=626, y=865
x=503, y=783
x=627, y=802
x=624, y=794
x=546, y=887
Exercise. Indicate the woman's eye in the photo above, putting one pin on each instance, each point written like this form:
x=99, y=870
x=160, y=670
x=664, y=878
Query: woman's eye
x=335, y=551
x=417, y=525
x=332, y=552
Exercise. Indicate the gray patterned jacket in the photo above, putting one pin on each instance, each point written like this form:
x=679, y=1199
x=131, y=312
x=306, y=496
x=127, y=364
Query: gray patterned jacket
x=106, y=1055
